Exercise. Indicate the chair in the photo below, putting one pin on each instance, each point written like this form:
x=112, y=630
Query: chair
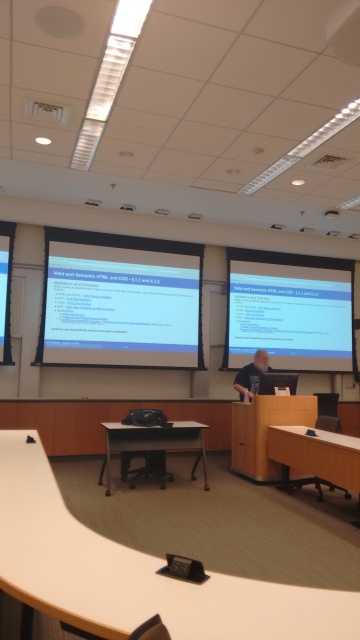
x=152, y=629
x=155, y=466
x=327, y=404
x=331, y=424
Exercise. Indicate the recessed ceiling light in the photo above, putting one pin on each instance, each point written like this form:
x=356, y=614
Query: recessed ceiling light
x=307, y=230
x=126, y=154
x=332, y=214
x=334, y=234
x=355, y=236
x=232, y=172
x=43, y=140
x=298, y=183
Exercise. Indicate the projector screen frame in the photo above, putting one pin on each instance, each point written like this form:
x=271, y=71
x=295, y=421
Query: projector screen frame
x=137, y=243
x=296, y=260
x=8, y=229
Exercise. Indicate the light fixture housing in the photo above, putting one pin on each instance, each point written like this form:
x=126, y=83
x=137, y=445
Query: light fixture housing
x=333, y=234
x=129, y=18
x=268, y=175
x=332, y=214
x=307, y=230
x=352, y=202
x=278, y=227
x=354, y=236
x=195, y=216
x=298, y=183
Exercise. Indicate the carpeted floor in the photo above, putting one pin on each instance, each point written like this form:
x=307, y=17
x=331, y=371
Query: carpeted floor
x=237, y=527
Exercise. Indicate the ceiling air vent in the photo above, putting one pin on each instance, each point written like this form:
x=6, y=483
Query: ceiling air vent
x=47, y=111
x=329, y=163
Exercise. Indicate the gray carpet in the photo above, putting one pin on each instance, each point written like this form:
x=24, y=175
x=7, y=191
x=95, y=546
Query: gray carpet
x=237, y=527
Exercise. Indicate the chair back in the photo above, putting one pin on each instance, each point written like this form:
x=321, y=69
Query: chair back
x=327, y=404
x=328, y=423
x=152, y=629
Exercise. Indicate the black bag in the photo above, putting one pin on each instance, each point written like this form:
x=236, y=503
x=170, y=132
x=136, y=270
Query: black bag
x=146, y=418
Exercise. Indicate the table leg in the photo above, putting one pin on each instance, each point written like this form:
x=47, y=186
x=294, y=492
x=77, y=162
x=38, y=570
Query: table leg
x=197, y=460
x=27, y=618
x=108, y=474
x=285, y=479
x=206, y=486
x=100, y=481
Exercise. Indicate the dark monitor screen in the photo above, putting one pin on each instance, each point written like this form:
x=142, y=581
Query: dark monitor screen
x=268, y=382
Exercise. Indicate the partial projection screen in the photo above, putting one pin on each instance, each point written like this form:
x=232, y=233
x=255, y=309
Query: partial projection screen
x=121, y=301
x=298, y=308
x=7, y=234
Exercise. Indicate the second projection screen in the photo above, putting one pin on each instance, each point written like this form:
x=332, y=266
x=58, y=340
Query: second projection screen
x=116, y=306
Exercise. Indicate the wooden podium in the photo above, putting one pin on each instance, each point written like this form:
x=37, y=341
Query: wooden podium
x=250, y=422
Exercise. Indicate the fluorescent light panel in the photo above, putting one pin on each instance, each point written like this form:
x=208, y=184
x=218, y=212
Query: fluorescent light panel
x=348, y=204
x=269, y=174
x=126, y=27
x=332, y=127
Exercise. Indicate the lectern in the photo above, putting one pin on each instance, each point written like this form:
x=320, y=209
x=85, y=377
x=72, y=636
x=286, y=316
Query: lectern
x=250, y=423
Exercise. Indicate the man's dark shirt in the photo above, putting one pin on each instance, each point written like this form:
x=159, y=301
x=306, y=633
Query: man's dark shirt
x=249, y=376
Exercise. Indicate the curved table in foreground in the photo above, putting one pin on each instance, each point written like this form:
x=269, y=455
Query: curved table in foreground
x=55, y=564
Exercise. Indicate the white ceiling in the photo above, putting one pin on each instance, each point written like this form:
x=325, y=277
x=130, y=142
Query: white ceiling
x=215, y=92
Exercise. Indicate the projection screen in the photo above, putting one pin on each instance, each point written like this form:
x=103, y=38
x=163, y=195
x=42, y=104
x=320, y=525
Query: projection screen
x=298, y=308
x=137, y=304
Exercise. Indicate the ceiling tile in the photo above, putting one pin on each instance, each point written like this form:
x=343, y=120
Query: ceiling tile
x=228, y=14
x=181, y=163
x=5, y=153
x=313, y=85
x=300, y=24
x=96, y=16
x=170, y=178
x=5, y=61
x=181, y=47
x=288, y=119
x=158, y=92
x=109, y=149
x=352, y=174
x=47, y=70
x=5, y=133
x=201, y=138
x=5, y=30
x=247, y=145
x=23, y=137
x=313, y=180
x=339, y=188
x=4, y=103
x=114, y=170
x=348, y=138
x=258, y=65
x=40, y=158
x=219, y=169
x=19, y=97
x=274, y=194
x=215, y=185
x=227, y=107
x=139, y=126
x=329, y=52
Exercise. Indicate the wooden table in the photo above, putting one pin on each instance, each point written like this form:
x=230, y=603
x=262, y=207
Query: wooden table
x=331, y=456
x=182, y=436
x=54, y=563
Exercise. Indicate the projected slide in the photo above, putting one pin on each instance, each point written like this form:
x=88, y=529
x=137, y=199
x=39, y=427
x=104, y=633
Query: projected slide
x=140, y=309
x=4, y=266
x=301, y=316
